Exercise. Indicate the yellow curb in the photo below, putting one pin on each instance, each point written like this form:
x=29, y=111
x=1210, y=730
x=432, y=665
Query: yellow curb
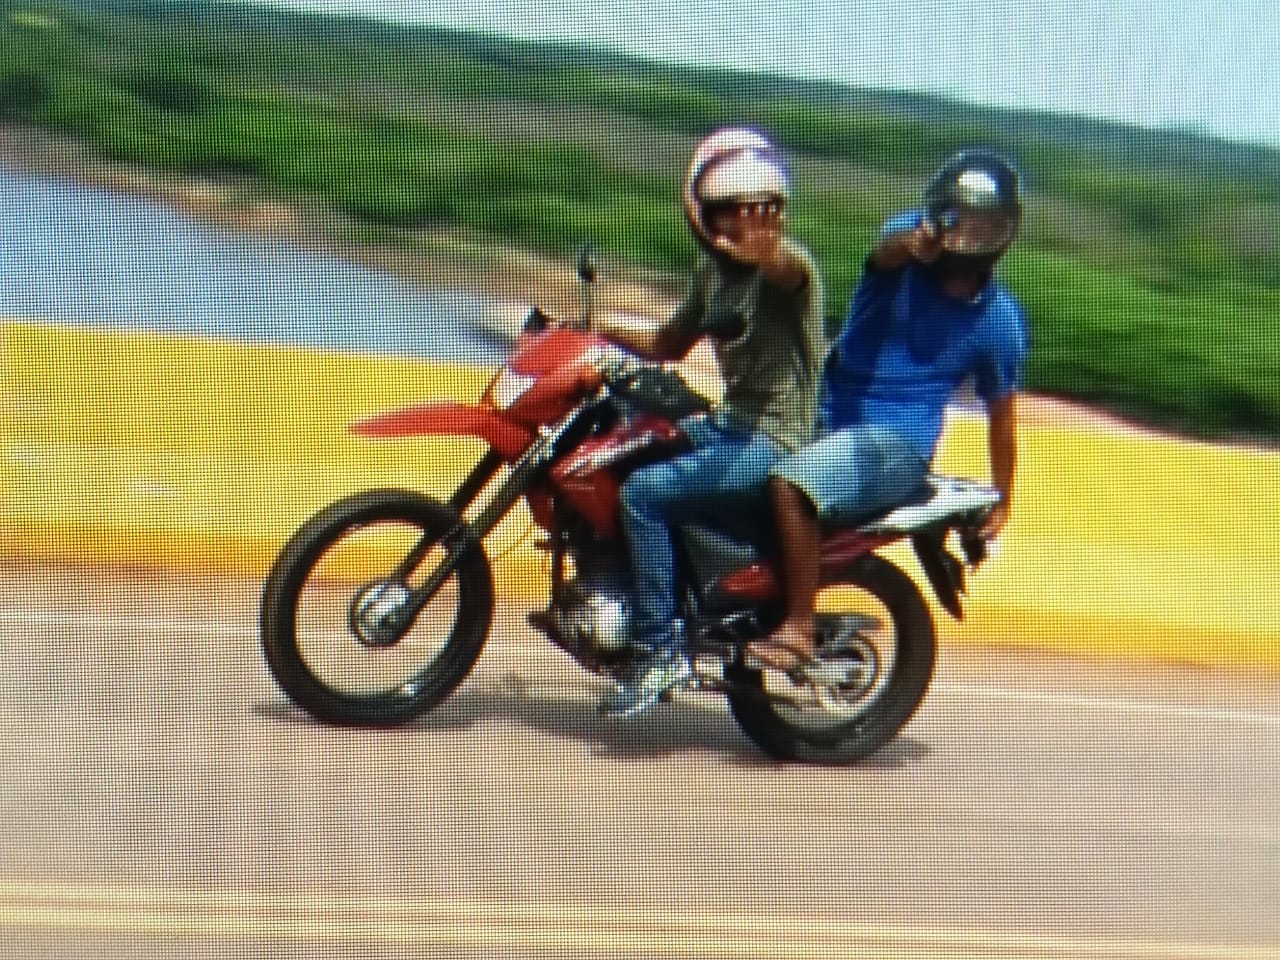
x=1113, y=636
x=205, y=455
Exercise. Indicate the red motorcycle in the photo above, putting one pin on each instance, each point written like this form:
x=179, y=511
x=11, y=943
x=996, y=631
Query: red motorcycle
x=379, y=605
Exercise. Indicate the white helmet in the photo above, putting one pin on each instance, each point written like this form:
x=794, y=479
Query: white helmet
x=733, y=165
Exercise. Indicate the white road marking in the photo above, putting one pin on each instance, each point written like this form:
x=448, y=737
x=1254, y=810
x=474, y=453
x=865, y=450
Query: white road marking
x=460, y=922
x=194, y=626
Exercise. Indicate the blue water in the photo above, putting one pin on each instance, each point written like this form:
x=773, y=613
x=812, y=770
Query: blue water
x=86, y=256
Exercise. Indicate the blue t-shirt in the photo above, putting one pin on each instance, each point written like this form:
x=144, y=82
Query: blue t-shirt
x=907, y=346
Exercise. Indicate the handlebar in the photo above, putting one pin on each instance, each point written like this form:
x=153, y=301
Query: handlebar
x=648, y=385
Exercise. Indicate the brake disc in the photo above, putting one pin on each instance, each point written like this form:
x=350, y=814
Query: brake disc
x=845, y=675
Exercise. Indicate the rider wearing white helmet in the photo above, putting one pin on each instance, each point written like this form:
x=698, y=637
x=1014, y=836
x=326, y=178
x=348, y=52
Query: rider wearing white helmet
x=732, y=167
x=758, y=296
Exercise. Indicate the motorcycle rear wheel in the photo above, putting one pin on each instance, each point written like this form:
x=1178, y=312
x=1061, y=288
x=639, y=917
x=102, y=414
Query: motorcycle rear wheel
x=321, y=612
x=788, y=732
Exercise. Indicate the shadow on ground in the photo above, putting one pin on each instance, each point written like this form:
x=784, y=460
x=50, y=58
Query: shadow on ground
x=682, y=727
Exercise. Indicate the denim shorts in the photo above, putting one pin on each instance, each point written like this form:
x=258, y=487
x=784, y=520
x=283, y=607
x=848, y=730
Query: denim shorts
x=854, y=473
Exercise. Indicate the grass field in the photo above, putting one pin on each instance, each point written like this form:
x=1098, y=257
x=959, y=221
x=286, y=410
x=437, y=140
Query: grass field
x=1150, y=264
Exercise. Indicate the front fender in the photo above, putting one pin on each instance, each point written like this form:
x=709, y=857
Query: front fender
x=508, y=439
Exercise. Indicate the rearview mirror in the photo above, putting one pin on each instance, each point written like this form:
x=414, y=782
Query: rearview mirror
x=587, y=263
x=536, y=321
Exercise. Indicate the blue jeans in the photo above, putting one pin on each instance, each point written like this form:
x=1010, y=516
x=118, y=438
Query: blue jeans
x=855, y=472
x=721, y=477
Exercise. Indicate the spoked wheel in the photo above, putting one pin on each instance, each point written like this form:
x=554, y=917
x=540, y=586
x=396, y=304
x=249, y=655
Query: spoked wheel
x=877, y=658
x=334, y=622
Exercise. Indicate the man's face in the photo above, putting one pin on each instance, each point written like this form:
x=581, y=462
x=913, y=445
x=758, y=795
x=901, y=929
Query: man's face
x=727, y=221
x=740, y=220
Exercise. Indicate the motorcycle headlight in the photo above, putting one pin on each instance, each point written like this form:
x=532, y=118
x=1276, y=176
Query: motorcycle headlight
x=507, y=387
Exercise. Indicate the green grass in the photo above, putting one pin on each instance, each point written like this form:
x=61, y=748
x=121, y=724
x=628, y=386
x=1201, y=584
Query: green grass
x=1149, y=264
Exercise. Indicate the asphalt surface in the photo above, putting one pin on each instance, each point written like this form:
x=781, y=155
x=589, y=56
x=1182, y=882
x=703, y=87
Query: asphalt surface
x=161, y=799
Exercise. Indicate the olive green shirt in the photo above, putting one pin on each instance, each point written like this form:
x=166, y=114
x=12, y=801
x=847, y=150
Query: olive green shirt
x=770, y=343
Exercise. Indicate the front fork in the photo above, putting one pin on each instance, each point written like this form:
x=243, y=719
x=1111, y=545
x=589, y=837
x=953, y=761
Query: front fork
x=466, y=534
x=476, y=480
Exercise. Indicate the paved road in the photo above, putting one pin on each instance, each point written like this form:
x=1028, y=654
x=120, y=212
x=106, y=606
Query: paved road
x=160, y=799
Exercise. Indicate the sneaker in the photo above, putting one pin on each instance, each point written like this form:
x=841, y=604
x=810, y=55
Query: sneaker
x=645, y=682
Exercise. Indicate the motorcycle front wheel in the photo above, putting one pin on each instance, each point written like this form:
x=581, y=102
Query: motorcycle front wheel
x=880, y=648
x=330, y=624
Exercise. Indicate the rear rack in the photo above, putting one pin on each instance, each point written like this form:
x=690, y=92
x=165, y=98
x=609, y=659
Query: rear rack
x=956, y=501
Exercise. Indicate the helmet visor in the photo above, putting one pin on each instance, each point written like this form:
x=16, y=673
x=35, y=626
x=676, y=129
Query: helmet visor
x=976, y=232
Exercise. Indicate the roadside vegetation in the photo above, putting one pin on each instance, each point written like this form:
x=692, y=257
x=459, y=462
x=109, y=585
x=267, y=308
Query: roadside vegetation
x=1149, y=264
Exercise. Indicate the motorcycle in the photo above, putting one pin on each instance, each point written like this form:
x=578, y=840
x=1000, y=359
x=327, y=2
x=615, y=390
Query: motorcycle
x=380, y=604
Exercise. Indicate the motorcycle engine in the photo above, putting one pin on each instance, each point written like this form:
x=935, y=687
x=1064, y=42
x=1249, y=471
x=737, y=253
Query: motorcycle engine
x=596, y=608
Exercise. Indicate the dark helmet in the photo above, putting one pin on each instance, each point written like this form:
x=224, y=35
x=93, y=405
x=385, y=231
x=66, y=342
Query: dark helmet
x=974, y=201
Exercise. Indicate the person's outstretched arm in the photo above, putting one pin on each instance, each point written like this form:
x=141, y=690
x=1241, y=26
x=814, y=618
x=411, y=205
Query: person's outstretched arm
x=1002, y=446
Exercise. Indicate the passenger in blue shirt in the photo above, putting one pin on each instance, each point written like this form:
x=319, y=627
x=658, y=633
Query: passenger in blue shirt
x=926, y=317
